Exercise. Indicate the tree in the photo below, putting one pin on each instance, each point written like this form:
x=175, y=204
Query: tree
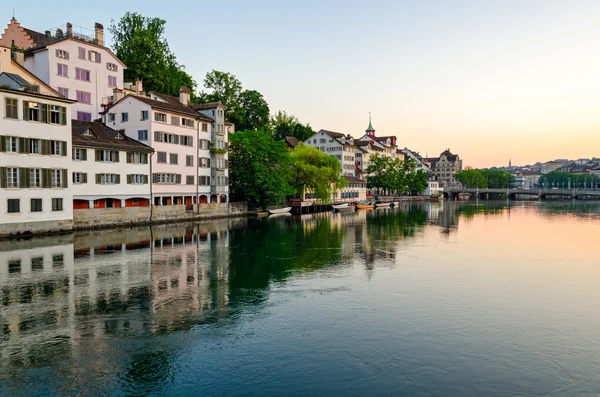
x=315, y=171
x=418, y=182
x=282, y=125
x=258, y=168
x=140, y=43
x=565, y=179
x=378, y=172
x=225, y=87
x=255, y=111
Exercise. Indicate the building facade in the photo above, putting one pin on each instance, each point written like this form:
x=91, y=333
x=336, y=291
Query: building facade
x=445, y=167
x=109, y=169
x=72, y=62
x=35, y=139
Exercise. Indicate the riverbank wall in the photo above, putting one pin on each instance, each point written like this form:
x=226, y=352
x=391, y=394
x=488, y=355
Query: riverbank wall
x=105, y=218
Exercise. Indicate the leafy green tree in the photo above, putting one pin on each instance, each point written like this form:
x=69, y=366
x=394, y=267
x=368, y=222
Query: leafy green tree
x=282, y=125
x=225, y=87
x=566, y=180
x=141, y=44
x=418, y=182
x=315, y=171
x=258, y=168
x=471, y=178
x=255, y=111
x=378, y=172
x=302, y=131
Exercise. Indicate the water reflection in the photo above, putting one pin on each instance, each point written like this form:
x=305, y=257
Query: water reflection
x=71, y=305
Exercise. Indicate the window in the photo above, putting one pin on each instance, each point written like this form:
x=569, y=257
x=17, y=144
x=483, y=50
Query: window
x=175, y=120
x=160, y=117
x=111, y=117
x=137, y=158
x=189, y=161
x=189, y=180
x=56, y=176
x=204, y=162
x=137, y=179
x=124, y=117
x=107, y=179
x=62, y=70
x=167, y=138
x=35, y=178
x=186, y=140
x=12, y=177
x=31, y=111
x=12, y=144
x=62, y=54
x=84, y=116
x=36, y=205
x=161, y=157
x=107, y=156
x=57, y=204
x=142, y=135
x=204, y=180
x=57, y=148
x=82, y=74
x=81, y=52
x=166, y=178
x=112, y=81
x=84, y=97
x=35, y=146
x=55, y=114
x=12, y=111
x=144, y=115
x=14, y=206
x=187, y=122
x=204, y=127
x=112, y=67
x=79, y=177
x=173, y=158
x=94, y=56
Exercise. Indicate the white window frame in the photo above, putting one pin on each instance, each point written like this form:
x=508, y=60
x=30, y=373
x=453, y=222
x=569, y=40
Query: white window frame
x=56, y=178
x=35, y=178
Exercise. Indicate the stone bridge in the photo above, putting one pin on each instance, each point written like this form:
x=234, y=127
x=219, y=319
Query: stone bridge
x=513, y=193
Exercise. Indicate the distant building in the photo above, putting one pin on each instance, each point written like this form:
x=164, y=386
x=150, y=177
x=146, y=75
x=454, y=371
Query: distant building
x=433, y=187
x=550, y=166
x=445, y=167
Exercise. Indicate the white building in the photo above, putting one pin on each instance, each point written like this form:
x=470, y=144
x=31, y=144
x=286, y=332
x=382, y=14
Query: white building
x=383, y=145
x=35, y=139
x=181, y=138
x=433, y=188
x=74, y=63
x=337, y=145
x=109, y=170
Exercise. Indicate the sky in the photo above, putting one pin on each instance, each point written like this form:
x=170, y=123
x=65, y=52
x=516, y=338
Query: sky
x=490, y=80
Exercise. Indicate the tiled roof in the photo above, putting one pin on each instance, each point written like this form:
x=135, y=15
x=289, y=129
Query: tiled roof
x=103, y=137
x=292, y=141
x=206, y=106
x=174, y=100
x=449, y=155
x=333, y=134
x=361, y=143
x=18, y=79
x=37, y=37
x=167, y=106
x=52, y=41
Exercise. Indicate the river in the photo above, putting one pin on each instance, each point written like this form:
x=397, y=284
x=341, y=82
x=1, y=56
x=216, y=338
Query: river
x=437, y=299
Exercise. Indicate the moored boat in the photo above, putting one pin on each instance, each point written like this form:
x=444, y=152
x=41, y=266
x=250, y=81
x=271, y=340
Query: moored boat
x=280, y=210
x=340, y=206
x=382, y=205
x=364, y=206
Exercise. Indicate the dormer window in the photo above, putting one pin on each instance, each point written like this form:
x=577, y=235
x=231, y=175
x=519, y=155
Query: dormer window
x=119, y=136
x=87, y=132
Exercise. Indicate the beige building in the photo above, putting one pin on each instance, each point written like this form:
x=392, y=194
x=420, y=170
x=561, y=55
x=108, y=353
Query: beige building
x=445, y=167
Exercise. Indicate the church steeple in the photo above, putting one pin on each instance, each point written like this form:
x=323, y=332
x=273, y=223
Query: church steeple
x=509, y=163
x=370, y=130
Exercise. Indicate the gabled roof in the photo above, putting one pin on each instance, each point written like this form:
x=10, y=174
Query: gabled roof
x=46, y=44
x=332, y=134
x=37, y=37
x=352, y=179
x=166, y=106
x=102, y=136
x=206, y=106
x=449, y=155
x=292, y=141
x=174, y=100
x=20, y=81
x=384, y=138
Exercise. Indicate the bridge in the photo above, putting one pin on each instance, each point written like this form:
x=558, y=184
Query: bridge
x=484, y=193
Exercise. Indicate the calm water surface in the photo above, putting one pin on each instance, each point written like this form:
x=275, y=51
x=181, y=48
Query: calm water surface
x=452, y=299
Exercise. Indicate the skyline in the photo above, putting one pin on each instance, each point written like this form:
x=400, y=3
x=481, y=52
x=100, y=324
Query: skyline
x=492, y=82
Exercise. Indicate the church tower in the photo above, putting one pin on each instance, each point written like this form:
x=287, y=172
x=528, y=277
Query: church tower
x=370, y=130
x=509, y=163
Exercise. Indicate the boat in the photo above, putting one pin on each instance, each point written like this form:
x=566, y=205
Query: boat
x=340, y=206
x=280, y=210
x=344, y=208
x=365, y=206
x=382, y=205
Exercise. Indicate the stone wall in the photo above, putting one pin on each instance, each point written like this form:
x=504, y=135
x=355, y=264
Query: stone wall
x=27, y=228
x=103, y=217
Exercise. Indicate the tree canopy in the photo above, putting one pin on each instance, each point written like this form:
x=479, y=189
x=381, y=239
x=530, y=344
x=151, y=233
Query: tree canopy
x=258, y=168
x=481, y=178
x=395, y=175
x=566, y=180
x=315, y=171
x=283, y=124
x=141, y=44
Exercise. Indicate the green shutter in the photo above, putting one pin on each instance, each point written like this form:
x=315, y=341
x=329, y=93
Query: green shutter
x=24, y=177
x=3, y=177
x=118, y=179
x=84, y=154
x=25, y=110
x=46, y=178
x=98, y=178
x=44, y=118
x=2, y=143
x=129, y=158
x=45, y=146
x=23, y=145
x=63, y=148
x=116, y=156
x=63, y=115
x=65, y=180
x=128, y=179
x=84, y=178
x=97, y=156
x=145, y=179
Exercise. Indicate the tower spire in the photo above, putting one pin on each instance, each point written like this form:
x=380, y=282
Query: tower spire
x=370, y=130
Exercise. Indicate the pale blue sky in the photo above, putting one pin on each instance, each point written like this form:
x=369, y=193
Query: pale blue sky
x=489, y=79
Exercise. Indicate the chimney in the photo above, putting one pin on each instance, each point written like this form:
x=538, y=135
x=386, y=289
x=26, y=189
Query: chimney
x=19, y=57
x=139, y=87
x=117, y=95
x=69, y=29
x=184, y=95
x=99, y=33
x=48, y=34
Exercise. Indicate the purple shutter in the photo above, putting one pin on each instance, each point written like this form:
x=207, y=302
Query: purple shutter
x=67, y=54
x=89, y=55
x=78, y=73
x=98, y=58
x=56, y=53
